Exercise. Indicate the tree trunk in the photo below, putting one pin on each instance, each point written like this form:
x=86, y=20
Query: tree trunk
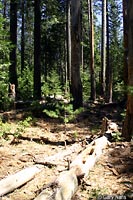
x=68, y=28
x=4, y=8
x=37, y=51
x=108, y=66
x=125, y=24
x=82, y=40
x=128, y=123
x=22, y=35
x=93, y=84
x=103, y=48
x=13, y=39
x=76, y=85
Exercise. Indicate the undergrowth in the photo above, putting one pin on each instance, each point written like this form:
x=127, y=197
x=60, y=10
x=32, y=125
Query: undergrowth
x=6, y=128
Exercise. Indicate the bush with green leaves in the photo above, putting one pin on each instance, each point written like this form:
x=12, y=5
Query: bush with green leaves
x=22, y=125
x=52, y=86
x=5, y=129
x=86, y=85
x=60, y=110
x=5, y=47
x=117, y=136
x=25, y=86
x=5, y=101
x=119, y=90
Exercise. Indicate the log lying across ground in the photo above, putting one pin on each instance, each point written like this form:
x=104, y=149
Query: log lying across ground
x=60, y=158
x=65, y=186
x=14, y=181
x=67, y=183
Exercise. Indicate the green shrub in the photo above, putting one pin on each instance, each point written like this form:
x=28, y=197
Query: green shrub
x=5, y=129
x=5, y=47
x=52, y=86
x=25, y=86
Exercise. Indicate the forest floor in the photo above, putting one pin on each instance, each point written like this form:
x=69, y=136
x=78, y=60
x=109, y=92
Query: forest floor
x=112, y=174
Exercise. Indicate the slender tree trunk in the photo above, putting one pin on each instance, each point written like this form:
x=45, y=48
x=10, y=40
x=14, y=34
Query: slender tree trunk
x=92, y=70
x=13, y=39
x=22, y=35
x=37, y=51
x=76, y=85
x=103, y=48
x=68, y=28
x=125, y=24
x=109, y=65
x=82, y=47
x=128, y=123
x=4, y=8
x=88, y=2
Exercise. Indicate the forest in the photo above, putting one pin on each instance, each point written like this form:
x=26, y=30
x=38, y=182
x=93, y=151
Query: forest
x=66, y=99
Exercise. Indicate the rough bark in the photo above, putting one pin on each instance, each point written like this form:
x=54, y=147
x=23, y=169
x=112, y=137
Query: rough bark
x=37, y=50
x=125, y=32
x=68, y=28
x=22, y=35
x=76, y=85
x=13, y=39
x=103, y=48
x=92, y=70
x=109, y=65
x=128, y=123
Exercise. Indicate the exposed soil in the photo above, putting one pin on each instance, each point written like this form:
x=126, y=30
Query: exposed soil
x=112, y=175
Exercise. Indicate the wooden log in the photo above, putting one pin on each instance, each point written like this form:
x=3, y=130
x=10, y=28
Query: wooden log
x=14, y=181
x=67, y=182
x=58, y=158
x=66, y=186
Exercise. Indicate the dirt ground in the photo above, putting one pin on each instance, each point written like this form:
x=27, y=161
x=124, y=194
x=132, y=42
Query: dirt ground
x=112, y=175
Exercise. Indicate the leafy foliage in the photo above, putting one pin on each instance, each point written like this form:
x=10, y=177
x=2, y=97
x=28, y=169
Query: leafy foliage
x=86, y=85
x=5, y=47
x=117, y=136
x=52, y=86
x=130, y=90
x=59, y=109
x=53, y=50
x=26, y=84
x=5, y=129
x=22, y=125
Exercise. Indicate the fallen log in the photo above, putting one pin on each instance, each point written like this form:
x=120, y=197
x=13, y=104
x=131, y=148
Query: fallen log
x=67, y=182
x=14, y=181
x=65, y=187
x=59, y=158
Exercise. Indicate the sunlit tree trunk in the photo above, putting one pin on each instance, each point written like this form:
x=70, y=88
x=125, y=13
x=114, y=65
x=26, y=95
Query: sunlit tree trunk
x=37, y=50
x=22, y=35
x=125, y=24
x=103, y=48
x=109, y=64
x=92, y=70
x=68, y=28
x=13, y=39
x=128, y=123
x=76, y=85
